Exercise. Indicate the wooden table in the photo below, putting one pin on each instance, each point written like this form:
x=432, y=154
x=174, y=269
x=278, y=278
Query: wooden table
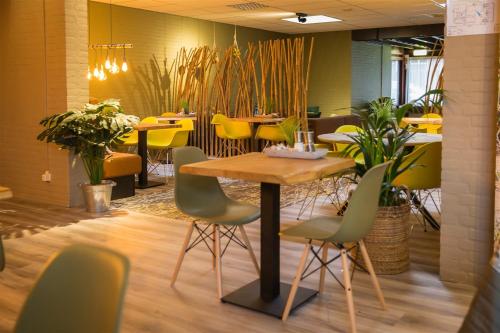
x=142, y=150
x=5, y=193
x=255, y=122
x=177, y=118
x=268, y=294
x=416, y=139
x=423, y=120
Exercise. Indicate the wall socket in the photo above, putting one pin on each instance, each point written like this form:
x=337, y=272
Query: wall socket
x=46, y=176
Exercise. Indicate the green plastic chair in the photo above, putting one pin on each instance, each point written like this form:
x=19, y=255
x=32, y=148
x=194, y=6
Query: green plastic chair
x=339, y=230
x=203, y=199
x=80, y=290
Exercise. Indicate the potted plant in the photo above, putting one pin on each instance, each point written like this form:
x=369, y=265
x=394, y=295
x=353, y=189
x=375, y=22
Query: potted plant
x=89, y=133
x=383, y=140
x=184, y=107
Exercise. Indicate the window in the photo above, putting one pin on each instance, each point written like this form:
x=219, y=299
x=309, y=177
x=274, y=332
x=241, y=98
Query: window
x=419, y=69
x=395, y=80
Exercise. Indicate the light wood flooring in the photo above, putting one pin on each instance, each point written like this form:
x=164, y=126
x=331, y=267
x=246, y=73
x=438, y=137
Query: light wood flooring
x=417, y=300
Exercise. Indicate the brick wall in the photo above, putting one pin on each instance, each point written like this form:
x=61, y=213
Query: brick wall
x=34, y=84
x=471, y=85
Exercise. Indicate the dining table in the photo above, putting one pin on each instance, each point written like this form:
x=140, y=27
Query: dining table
x=172, y=119
x=142, y=150
x=423, y=121
x=414, y=140
x=268, y=294
x=255, y=122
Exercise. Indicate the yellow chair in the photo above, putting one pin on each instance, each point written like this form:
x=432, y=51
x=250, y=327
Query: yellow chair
x=230, y=130
x=424, y=176
x=340, y=147
x=431, y=128
x=162, y=141
x=169, y=114
x=272, y=133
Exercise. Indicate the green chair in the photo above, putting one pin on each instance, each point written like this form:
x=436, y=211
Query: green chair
x=80, y=290
x=338, y=231
x=216, y=216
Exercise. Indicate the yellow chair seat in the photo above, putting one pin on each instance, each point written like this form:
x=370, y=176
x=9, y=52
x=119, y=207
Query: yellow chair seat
x=270, y=133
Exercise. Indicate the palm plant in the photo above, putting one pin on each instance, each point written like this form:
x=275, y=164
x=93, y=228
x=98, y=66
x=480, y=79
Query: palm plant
x=382, y=140
x=89, y=133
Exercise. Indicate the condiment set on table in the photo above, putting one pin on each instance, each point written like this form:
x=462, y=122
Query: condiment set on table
x=303, y=148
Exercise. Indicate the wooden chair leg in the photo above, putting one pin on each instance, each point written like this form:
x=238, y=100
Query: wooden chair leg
x=249, y=248
x=180, y=258
x=348, y=290
x=373, y=276
x=296, y=281
x=213, y=247
x=218, y=268
x=322, y=272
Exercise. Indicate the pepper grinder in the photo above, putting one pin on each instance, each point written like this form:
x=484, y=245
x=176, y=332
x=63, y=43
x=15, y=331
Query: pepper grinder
x=309, y=146
x=299, y=143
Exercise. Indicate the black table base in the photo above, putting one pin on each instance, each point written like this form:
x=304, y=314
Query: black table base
x=150, y=183
x=249, y=297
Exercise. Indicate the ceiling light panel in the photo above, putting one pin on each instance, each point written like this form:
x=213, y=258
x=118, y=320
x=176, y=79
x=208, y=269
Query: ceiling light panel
x=313, y=19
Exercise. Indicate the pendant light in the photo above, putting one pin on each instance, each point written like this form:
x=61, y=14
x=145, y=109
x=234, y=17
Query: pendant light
x=124, y=64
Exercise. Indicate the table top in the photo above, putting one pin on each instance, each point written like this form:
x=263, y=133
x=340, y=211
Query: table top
x=422, y=120
x=176, y=118
x=258, y=167
x=259, y=120
x=416, y=139
x=147, y=127
x=5, y=193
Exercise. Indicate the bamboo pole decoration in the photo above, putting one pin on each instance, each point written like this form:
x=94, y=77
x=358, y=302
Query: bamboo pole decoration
x=271, y=75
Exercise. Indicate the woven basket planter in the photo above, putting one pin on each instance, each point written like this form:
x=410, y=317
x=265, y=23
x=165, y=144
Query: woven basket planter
x=387, y=242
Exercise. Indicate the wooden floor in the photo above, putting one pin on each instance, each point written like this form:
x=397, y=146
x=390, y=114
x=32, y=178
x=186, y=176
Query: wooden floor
x=417, y=300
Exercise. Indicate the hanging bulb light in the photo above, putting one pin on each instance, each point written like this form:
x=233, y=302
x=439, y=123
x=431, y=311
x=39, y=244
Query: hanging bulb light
x=89, y=74
x=102, y=75
x=114, y=66
x=124, y=64
x=96, y=69
x=107, y=64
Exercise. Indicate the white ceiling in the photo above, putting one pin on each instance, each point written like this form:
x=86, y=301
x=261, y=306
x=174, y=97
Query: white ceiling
x=355, y=14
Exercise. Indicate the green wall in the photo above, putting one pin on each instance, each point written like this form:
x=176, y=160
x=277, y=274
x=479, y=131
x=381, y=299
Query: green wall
x=162, y=35
x=371, y=72
x=153, y=34
x=330, y=80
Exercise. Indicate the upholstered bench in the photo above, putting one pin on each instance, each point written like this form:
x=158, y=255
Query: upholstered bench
x=122, y=168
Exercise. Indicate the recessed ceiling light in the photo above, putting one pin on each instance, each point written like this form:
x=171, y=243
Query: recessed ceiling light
x=313, y=19
x=420, y=52
x=439, y=4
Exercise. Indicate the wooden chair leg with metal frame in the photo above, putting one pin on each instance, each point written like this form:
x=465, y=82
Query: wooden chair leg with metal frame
x=214, y=236
x=303, y=271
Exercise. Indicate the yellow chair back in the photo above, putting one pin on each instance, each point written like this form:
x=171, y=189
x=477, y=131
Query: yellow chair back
x=149, y=120
x=169, y=114
x=340, y=147
x=426, y=173
x=430, y=128
x=219, y=120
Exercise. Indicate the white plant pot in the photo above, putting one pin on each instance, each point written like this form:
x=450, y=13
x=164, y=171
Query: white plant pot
x=98, y=197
